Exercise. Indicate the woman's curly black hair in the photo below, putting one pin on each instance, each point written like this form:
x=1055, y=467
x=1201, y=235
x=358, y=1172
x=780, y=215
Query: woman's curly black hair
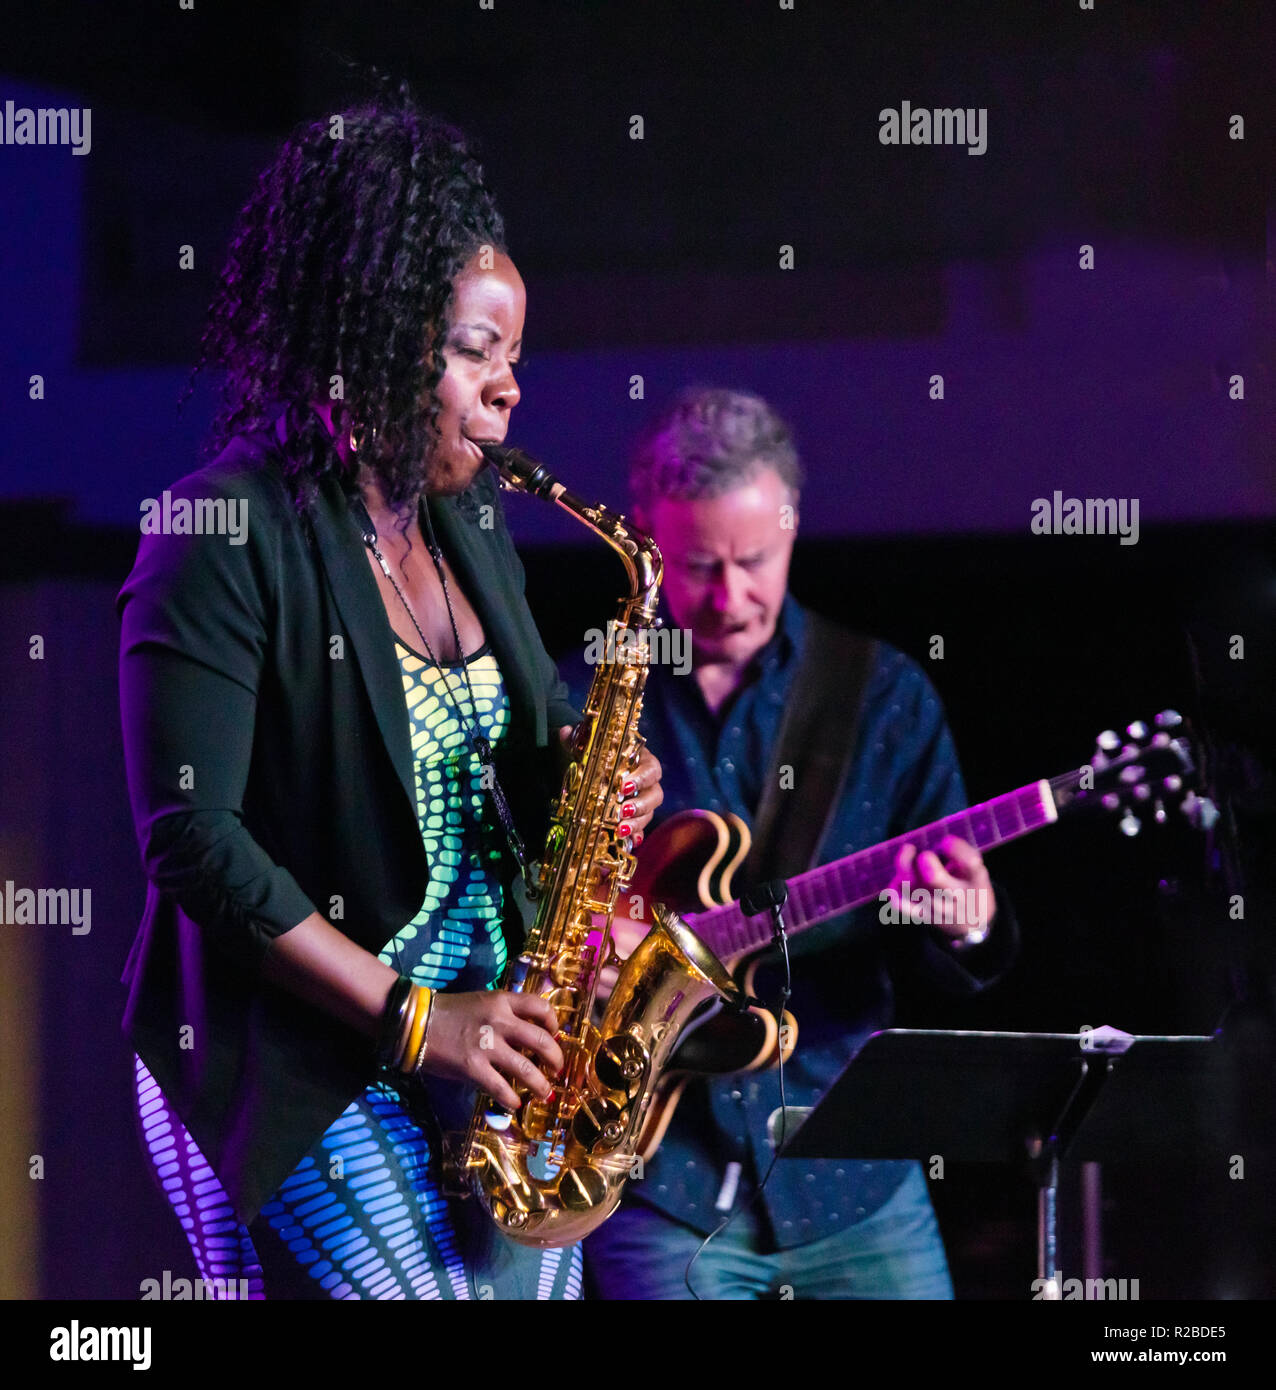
x=341, y=266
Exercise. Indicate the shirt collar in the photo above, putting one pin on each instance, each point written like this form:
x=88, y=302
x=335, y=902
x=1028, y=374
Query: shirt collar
x=786, y=639
x=773, y=659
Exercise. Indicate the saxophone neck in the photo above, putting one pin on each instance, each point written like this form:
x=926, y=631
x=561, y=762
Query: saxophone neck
x=519, y=472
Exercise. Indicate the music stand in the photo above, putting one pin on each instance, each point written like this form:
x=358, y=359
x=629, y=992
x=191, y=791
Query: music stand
x=996, y=1097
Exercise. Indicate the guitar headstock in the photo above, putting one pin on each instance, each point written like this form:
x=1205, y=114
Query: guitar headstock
x=1149, y=768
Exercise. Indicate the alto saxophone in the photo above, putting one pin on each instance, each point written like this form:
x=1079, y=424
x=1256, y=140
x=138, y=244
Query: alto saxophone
x=555, y=1169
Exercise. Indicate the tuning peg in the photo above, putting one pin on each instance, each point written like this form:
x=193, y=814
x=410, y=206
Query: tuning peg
x=1168, y=719
x=1109, y=741
x=1138, y=730
x=1129, y=824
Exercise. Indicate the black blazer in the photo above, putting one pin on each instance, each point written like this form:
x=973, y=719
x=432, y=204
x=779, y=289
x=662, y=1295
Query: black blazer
x=270, y=771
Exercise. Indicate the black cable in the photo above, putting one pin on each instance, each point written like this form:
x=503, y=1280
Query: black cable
x=775, y=900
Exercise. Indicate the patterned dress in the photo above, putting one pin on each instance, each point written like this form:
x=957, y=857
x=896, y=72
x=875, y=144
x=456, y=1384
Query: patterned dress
x=363, y=1214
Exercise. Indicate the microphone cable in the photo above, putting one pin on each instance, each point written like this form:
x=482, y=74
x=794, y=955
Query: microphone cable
x=767, y=896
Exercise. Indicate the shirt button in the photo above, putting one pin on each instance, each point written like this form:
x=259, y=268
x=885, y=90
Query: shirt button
x=839, y=1173
x=691, y=1163
x=727, y=765
x=737, y=1095
x=787, y=1224
x=662, y=1188
x=859, y=1211
x=810, y=1177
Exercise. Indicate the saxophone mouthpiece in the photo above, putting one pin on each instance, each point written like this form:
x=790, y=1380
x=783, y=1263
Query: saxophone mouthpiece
x=494, y=454
x=523, y=473
x=516, y=469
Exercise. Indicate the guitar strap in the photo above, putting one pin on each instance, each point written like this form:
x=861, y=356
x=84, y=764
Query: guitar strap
x=816, y=741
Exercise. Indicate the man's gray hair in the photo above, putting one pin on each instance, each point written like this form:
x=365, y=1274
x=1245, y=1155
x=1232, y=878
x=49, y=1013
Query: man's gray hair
x=708, y=442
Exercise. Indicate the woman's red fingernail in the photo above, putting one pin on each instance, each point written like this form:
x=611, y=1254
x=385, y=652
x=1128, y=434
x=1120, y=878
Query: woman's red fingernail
x=628, y=788
x=623, y=830
x=630, y=808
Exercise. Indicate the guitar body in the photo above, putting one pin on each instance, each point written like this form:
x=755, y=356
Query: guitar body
x=689, y=863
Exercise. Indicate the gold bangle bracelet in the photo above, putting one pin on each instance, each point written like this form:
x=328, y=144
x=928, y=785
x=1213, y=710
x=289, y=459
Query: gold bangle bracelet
x=405, y=1030
x=425, y=1036
x=413, y=1012
x=420, y=1018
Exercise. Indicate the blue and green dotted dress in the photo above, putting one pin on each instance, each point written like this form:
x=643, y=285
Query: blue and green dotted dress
x=363, y=1214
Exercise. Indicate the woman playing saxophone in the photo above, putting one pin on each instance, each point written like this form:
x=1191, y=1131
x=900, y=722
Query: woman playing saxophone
x=335, y=733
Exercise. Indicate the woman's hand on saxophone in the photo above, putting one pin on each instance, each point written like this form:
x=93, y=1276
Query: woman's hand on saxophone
x=641, y=792
x=477, y=1037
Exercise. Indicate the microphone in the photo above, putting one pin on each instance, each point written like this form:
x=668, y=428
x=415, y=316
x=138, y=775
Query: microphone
x=765, y=897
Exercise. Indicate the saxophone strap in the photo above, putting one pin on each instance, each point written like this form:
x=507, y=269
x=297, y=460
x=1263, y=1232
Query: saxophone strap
x=477, y=740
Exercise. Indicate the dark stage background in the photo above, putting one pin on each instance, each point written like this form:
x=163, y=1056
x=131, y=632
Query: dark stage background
x=659, y=259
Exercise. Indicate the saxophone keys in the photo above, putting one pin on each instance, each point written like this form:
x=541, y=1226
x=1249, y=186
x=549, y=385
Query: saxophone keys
x=599, y=1124
x=509, y=1218
x=581, y=1188
x=536, y=1119
x=566, y=969
x=621, y=1064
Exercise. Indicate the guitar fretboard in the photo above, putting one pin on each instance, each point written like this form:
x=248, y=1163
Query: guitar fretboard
x=821, y=893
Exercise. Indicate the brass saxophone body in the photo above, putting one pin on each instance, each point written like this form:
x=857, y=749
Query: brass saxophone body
x=554, y=1170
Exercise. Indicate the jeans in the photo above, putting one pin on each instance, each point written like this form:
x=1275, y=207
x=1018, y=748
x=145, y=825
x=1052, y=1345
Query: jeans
x=895, y=1253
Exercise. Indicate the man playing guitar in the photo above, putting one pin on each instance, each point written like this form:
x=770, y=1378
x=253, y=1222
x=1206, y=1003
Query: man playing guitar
x=717, y=481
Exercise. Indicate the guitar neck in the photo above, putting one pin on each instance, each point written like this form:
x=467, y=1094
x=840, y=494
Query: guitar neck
x=834, y=888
